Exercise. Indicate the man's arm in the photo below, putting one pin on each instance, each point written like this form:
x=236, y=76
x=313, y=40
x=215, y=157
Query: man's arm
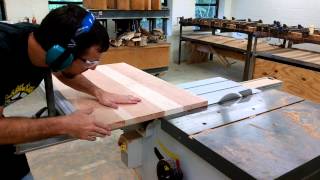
x=79, y=125
x=81, y=83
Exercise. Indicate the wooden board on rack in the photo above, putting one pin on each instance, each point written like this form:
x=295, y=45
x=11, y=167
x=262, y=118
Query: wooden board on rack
x=304, y=56
x=159, y=98
x=207, y=45
x=230, y=41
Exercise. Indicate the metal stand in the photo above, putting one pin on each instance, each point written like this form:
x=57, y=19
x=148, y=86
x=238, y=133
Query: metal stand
x=50, y=94
x=180, y=41
x=247, y=74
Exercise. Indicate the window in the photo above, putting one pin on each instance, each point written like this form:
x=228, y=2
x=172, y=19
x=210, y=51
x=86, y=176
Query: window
x=57, y=3
x=207, y=8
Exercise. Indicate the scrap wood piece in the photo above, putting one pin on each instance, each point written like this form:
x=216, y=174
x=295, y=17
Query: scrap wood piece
x=159, y=98
x=194, y=55
x=127, y=36
x=220, y=58
x=116, y=43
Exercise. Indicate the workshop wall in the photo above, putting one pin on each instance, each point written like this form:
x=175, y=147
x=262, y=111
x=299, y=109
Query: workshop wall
x=225, y=8
x=291, y=12
x=180, y=8
x=18, y=9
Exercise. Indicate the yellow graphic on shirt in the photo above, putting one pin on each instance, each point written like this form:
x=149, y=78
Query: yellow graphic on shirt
x=19, y=92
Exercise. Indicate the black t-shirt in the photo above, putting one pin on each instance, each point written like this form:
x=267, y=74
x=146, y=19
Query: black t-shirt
x=18, y=78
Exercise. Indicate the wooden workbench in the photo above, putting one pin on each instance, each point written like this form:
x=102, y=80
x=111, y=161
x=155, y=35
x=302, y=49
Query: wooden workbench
x=298, y=69
x=227, y=46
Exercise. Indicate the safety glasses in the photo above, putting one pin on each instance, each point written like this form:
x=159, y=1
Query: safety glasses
x=90, y=63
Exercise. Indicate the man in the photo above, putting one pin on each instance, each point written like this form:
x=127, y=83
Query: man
x=69, y=41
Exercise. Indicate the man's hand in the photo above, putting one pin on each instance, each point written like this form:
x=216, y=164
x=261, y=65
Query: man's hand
x=82, y=125
x=112, y=100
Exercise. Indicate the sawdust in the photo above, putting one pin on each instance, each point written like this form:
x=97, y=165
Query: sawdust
x=309, y=128
x=294, y=116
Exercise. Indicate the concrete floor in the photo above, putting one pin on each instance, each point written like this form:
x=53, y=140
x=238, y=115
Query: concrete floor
x=101, y=159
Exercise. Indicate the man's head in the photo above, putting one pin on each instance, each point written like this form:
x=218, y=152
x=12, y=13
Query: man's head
x=59, y=27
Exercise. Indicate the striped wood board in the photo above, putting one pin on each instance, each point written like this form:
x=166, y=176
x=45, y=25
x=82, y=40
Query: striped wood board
x=159, y=98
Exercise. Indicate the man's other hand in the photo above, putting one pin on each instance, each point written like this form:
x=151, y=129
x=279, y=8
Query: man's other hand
x=83, y=125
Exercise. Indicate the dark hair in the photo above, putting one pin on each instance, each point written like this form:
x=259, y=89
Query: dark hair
x=60, y=25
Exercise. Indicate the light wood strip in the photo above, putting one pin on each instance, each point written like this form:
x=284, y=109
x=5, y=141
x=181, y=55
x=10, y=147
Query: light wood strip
x=148, y=94
x=162, y=87
x=293, y=54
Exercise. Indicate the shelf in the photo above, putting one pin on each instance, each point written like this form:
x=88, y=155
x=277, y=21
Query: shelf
x=131, y=14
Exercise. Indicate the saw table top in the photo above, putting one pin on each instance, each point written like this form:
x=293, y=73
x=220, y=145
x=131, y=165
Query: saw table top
x=267, y=135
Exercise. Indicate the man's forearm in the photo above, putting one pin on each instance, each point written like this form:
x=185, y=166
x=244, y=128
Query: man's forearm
x=16, y=130
x=80, y=83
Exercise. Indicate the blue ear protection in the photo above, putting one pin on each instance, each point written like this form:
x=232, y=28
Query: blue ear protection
x=58, y=57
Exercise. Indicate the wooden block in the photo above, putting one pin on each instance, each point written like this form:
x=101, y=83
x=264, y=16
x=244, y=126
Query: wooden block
x=314, y=37
x=86, y=3
x=137, y=5
x=262, y=83
x=159, y=98
x=295, y=35
x=123, y=4
x=148, y=57
x=155, y=4
x=112, y=4
x=298, y=81
x=96, y=4
x=147, y=4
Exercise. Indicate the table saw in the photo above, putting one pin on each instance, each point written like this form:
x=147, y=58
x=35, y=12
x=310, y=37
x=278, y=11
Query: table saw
x=243, y=133
x=264, y=134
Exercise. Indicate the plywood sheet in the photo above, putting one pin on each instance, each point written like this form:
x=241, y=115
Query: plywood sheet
x=298, y=81
x=159, y=98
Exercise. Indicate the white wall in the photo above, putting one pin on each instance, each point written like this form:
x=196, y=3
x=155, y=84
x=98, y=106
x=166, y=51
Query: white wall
x=225, y=8
x=179, y=8
x=184, y=8
x=290, y=12
x=18, y=9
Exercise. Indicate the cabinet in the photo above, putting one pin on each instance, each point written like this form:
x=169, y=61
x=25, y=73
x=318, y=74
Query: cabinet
x=145, y=58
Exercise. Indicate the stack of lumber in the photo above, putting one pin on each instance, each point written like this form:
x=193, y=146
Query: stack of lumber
x=123, y=4
x=140, y=38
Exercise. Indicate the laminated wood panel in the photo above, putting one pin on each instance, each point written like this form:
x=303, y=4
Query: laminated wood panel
x=159, y=98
